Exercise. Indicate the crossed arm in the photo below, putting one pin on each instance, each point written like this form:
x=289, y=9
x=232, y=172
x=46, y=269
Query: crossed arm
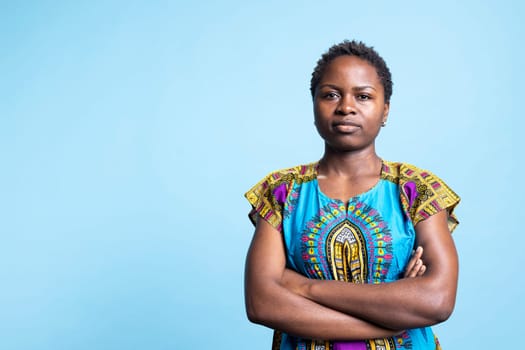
x=318, y=309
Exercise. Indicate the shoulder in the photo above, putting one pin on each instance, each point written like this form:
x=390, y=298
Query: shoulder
x=302, y=173
x=422, y=192
x=415, y=181
x=397, y=171
x=269, y=194
x=281, y=180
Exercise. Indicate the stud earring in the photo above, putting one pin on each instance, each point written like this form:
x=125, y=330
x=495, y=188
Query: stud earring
x=383, y=124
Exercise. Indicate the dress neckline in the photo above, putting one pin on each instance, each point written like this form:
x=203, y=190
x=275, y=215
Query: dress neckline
x=371, y=189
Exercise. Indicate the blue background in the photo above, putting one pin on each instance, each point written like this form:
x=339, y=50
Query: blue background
x=129, y=132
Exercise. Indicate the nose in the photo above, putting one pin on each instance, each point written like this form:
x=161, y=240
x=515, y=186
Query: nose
x=346, y=106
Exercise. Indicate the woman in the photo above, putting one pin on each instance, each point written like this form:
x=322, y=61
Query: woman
x=330, y=263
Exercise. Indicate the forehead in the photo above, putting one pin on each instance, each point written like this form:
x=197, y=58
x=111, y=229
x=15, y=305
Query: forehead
x=350, y=69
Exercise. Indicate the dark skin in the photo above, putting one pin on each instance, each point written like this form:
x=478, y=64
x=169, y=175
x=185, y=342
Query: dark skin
x=349, y=108
x=272, y=297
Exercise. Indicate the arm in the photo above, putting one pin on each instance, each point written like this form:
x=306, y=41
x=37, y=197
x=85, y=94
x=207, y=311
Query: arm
x=269, y=303
x=408, y=303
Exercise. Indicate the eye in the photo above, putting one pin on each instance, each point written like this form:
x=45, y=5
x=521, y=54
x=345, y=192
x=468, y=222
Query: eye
x=331, y=95
x=363, y=97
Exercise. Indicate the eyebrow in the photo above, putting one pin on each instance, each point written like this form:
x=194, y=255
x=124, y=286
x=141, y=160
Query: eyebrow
x=357, y=88
x=363, y=87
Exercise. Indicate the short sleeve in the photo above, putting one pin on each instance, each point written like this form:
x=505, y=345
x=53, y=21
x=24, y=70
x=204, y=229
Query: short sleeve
x=267, y=199
x=425, y=194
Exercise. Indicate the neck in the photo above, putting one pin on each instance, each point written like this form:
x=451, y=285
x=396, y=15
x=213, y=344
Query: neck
x=349, y=164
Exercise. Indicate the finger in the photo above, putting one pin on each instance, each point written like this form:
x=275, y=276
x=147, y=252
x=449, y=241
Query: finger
x=422, y=270
x=418, y=252
x=416, y=255
x=415, y=269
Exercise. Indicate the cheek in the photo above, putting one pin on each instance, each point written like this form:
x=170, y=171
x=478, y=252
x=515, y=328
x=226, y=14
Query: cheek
x=322, y=111
x=317, y=116
x=316, y=110
x=320, y=125
x=319, y=120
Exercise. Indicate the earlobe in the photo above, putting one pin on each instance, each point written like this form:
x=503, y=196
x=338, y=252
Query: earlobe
x=385, y=114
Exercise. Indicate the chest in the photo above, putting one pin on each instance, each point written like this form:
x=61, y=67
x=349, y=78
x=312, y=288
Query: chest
x=367, y=240
x=345, y=188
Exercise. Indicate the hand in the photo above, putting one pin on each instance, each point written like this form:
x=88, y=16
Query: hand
x=415, y=266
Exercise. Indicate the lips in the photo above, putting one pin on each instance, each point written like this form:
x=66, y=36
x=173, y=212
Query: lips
x=346, y=126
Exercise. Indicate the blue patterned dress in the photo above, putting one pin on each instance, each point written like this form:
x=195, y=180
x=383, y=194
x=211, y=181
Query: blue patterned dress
x=367, y=240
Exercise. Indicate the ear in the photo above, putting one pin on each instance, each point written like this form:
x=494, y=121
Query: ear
x=385, y=112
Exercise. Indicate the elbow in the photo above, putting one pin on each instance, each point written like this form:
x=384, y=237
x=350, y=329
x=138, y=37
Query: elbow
x=259, y=315
x=261, y=302
x=253, y=313
x=254, y=317
x=444, y=312
x=256, y=310
x=442, y=307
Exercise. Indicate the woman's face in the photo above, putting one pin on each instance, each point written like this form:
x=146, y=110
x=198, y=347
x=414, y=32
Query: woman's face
x=349, y=104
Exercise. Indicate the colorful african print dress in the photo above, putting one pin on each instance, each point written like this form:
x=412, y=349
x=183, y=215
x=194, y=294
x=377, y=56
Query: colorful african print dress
x=367, y=240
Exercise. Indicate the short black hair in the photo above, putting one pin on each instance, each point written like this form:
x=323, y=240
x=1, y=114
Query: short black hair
x=358, y=49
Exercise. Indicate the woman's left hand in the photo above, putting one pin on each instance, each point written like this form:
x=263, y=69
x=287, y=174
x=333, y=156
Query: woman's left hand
x=415, y=266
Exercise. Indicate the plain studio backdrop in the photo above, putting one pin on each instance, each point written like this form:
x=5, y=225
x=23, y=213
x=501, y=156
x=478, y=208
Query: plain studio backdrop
x=129, y=132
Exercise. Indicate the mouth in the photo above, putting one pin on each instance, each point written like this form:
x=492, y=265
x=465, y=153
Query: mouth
x=346, y=126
